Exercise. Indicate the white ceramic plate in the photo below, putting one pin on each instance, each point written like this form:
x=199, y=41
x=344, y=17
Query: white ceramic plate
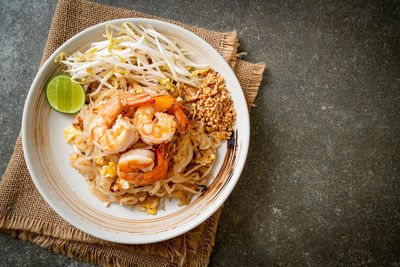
x=47, y=155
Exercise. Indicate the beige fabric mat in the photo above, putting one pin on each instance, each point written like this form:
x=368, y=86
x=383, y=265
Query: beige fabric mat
x=23, y=212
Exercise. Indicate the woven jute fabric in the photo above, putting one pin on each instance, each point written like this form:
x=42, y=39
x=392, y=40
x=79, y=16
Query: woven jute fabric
x=23, y=212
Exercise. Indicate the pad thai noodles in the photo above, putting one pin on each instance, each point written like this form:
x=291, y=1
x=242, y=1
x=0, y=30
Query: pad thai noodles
x=153, y=118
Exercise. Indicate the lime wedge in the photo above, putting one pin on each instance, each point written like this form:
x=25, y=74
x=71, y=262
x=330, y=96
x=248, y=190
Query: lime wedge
x=64, y=94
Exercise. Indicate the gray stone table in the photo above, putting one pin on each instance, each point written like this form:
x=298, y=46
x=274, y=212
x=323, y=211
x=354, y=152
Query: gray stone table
x=321, y=185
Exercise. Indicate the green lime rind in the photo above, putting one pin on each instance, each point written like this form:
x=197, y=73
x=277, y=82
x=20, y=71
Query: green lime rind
x=64, y=94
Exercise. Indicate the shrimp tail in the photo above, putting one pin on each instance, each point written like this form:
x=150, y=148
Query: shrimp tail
x=136, y=99
x=160, y=170
x=165, y=150
x=115, y=104
x=169, y=103
x=180, y=116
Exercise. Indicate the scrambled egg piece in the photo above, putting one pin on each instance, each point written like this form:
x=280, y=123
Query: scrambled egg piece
x=149, y=205
x=138, y=90
x=100, y=160
x=119, y=185
x=123, y=183
x=151, y=210
x=70, y=133
x=109, y=171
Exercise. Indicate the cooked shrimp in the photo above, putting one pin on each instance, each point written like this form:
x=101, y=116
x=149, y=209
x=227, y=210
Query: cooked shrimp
x=154, y=125
x=123, y=134
x=141, y=166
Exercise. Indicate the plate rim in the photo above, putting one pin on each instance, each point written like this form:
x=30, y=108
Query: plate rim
x=245, y=127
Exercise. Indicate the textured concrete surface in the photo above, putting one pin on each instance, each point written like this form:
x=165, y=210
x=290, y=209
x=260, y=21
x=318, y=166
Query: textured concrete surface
x=321, y=185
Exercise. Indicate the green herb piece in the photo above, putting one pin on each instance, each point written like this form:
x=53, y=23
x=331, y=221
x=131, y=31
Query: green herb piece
x=204, y=187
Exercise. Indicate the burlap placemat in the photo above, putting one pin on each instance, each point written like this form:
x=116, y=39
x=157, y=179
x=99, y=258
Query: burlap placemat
x=23, y=212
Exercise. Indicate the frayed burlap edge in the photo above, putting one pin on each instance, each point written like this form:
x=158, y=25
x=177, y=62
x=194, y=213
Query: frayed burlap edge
x=230, y=43
x=88, y=252
x=254, y=83
x=227, y=46
x=44, y=228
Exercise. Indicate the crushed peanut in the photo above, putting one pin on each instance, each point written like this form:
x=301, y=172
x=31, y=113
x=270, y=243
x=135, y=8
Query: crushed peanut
x=214, y=106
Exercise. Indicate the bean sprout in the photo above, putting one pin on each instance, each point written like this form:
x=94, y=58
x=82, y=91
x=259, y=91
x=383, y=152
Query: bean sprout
x=136, y=52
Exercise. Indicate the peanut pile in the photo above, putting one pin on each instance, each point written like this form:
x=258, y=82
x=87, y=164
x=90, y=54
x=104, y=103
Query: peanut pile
x=214, y=106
